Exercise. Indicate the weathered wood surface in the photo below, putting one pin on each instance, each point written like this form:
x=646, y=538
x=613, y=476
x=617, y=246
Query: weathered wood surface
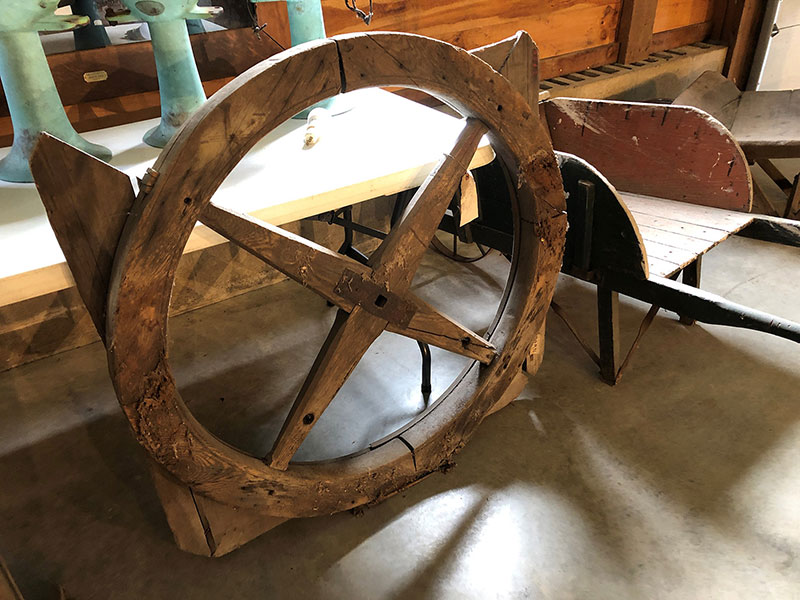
x=192, y=167
x=715, y=94
x=675, y=233
x=516, y=59
x=636, y=29
x=557, y=28
x=768, y=124
x=737, y=25
x=674, y=14
x=204, y=527
x=682, y=36
x=88, y=226
x=691, y=156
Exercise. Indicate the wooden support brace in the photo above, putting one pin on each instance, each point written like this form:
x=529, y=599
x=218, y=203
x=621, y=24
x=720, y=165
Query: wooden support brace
x=793, y=202
x=636, y=29
x=202, y=526
x=608, y=332
x=691, y=276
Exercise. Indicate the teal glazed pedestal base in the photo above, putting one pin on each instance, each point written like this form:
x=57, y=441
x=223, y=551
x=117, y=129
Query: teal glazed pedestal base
x=29, y=88
x=178, y=80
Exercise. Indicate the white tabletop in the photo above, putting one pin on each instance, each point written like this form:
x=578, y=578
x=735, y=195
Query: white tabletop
x=384, y=145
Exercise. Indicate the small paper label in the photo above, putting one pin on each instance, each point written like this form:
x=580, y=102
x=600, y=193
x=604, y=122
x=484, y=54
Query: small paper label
x=95, y=76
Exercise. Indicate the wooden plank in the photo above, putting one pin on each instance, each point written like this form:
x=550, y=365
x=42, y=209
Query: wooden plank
x=87, y=226
x=691, y=276
x=662, y=78
x=636, y=29
x=768, y=124
x=675, y=14
x=678, y=256
x=708, y=234
x=661, y=268
x=739, y=29
x=682, y=36
x=725, y=220
x=715, y=94
x=673, y=239
x=578, y=61
x=608, y=332
x=691, y=156
x=517, y=59
x=557, y=28
x=204, y=527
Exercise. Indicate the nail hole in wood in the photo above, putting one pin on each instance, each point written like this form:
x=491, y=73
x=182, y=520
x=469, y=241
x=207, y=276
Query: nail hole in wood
x=380, y=301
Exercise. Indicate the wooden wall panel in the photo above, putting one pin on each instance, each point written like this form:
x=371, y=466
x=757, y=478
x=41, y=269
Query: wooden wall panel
x=557, y=26
x=672, y=14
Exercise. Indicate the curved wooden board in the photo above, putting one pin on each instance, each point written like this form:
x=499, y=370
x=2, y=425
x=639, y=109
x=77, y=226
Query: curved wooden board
x=616, y=241
x=673, y=152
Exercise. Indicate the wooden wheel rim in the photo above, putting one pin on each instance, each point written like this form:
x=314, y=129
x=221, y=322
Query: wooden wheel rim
x=190, y=170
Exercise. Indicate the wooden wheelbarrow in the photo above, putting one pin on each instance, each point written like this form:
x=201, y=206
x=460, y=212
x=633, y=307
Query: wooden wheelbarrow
x=651, y=188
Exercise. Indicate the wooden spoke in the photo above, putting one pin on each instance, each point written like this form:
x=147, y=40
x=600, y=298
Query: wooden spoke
x=399, y=256
x=334, y=277
x=309, y=264
x=349, y=338
x=437, y=329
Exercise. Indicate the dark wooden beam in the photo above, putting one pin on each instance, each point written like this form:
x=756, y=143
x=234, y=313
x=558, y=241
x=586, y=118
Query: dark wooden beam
x=636, y=29
x=682, y=36
x=737, y=25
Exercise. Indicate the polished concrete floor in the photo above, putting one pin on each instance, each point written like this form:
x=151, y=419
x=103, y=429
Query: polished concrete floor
x=681, y=482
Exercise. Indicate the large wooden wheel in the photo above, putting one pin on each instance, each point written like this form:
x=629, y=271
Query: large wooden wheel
x=370, y=298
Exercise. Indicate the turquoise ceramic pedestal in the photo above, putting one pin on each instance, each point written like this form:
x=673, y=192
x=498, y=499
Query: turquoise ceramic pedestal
x=31, y=93
x=178, y=80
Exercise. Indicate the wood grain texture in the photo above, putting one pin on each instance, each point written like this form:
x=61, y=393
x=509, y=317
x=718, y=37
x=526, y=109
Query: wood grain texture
x=203, y=153
x=675, y=14
x=516, y=59
x=557, y=26
x=322, y=270
x=636, y=29
x=738, y=27
x=682, y=36
x=715, y=94
x=767, y=124
x=676, y=234
x=691, y=156
x=87, y=225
